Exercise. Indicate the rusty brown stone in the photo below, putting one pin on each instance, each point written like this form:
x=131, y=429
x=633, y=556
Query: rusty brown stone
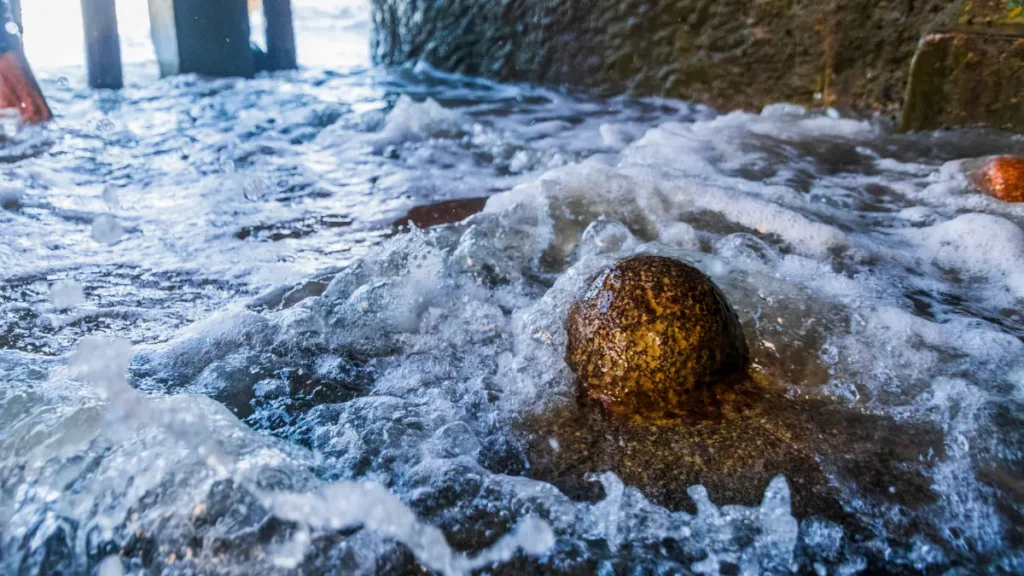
x=19, y=89
x=445, y=212
x=1002, y=178
x=649, y=333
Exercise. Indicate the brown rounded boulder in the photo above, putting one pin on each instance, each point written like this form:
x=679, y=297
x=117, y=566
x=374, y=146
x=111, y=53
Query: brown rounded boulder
x=1002, y=178
x=650, y=332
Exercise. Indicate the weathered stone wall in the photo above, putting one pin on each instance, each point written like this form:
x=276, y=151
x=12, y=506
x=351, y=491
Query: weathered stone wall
x=728, y=53
x=962, y=79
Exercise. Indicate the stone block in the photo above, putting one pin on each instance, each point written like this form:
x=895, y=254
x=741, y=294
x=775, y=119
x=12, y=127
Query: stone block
x=965, y=78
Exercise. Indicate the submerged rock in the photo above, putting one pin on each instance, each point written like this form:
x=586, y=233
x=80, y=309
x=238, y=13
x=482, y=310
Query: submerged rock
x=649, y=332
x=734, y=441
x=1002, y=178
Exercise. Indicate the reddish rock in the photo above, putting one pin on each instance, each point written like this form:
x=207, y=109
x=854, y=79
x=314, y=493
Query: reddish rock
x=19, y=90
x=445, y=212
x=1002, y=178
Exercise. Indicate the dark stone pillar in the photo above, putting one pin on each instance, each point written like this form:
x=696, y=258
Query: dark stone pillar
x=9, y=39
x=207, y=37
x=102, y=44
x=280, y=35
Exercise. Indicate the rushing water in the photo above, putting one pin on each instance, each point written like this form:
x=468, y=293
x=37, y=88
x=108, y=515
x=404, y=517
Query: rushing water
x=227, y=347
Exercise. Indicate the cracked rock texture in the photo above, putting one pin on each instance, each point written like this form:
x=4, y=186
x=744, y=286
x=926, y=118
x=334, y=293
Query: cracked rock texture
x=726, y=53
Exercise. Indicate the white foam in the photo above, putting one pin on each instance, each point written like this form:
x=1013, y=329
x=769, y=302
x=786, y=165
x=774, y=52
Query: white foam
x=351, y=504
x=411, y=120
x=982, y=248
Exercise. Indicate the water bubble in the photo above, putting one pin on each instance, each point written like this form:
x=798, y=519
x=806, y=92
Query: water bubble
x=10, y=198
x=110, y=198
x=110, y=566
x=605, y=236
x=104, y=362
x=454, y=440
x=106, y=125
x=679, y=235
x=66, y=294
x=256, y=188
x=106, y=229
x=746, y=249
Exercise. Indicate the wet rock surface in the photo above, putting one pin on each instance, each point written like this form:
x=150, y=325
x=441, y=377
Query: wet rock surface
x=650, y=332
x=733, y=443
x=1002, y=178
x=971, y=76
x=730, y=54
x=358, y=399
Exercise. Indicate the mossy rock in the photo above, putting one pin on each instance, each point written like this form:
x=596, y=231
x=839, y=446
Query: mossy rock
x=967, y=78
x=650, y=332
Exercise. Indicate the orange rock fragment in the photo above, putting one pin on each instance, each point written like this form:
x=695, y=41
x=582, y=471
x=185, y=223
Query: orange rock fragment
x=1002, y=178
x=19, y=90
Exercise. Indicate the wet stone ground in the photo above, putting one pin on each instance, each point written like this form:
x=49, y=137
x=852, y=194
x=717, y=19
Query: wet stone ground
x=314, y=322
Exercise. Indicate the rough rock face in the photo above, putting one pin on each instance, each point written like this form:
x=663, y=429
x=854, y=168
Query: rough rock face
x=649, y=333
x=727, y=53
x=966, y=78
x=737, y=441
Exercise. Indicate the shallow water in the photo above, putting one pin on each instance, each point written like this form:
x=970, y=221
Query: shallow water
x=224, y=349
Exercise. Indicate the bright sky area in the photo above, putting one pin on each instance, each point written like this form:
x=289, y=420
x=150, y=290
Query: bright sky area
x=54, y=38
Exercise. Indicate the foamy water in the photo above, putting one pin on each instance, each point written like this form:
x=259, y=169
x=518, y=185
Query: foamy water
x=219, y=355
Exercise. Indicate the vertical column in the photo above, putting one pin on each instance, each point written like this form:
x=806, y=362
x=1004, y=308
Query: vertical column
x=206, y=37
x=102, y=44
x=280, y=35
